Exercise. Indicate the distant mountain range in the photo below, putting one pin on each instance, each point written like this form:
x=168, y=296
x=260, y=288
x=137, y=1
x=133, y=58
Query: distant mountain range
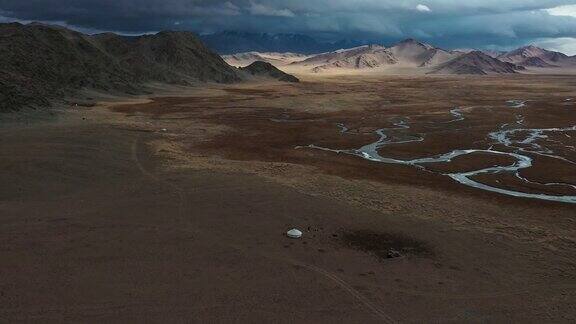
x=40, y=62
x=231, y=42
x=429, y=59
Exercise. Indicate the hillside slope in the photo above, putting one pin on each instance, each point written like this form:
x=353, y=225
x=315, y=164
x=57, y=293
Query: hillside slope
x=267, y=70
x=173, y=57
x=40, y=62
x=476, y=63
x=412, y=52
x=408, y=53
x=532, y=56
x=362, y=57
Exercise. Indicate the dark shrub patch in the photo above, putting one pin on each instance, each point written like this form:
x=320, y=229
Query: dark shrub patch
x=385, y=245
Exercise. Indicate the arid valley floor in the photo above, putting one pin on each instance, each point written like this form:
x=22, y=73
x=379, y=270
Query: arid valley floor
x=174, y=207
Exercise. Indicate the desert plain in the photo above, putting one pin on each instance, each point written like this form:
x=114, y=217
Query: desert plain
x=174, y=206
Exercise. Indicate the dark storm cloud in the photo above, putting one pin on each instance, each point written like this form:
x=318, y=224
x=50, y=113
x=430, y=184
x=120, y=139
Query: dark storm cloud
x=451, y=23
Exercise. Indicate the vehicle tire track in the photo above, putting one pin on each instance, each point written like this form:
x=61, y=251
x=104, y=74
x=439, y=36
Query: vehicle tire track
x=376, y=310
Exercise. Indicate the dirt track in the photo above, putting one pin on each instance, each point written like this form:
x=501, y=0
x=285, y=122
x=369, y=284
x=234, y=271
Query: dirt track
x=111, y=218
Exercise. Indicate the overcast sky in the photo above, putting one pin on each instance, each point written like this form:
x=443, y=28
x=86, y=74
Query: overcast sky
x=447, y=23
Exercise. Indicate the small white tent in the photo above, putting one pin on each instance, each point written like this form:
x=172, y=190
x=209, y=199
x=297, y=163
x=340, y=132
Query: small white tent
x=294, y=233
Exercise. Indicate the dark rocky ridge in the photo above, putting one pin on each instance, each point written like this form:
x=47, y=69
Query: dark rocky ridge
x=265, y=69
x=173, y=57
x=39, y=63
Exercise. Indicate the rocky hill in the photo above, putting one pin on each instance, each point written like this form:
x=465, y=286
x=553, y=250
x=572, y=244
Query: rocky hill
x=408, y=53
x=412, y=52
x=171, y=57
x=362, y=57
x=532, y=56
x=476, y=63
x=267, y=70
x=40, y=62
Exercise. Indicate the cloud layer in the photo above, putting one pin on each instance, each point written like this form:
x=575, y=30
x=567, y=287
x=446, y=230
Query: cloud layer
x=450, y=23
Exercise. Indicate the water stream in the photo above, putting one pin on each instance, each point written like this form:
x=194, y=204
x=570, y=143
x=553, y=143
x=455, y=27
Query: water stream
x=458, y=115
x=516, y=103
x=521, y=142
